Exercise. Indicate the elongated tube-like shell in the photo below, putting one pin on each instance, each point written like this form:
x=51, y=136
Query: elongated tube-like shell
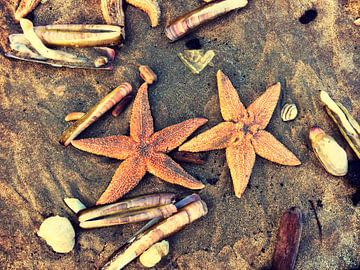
x=190, y=21
x=35, y=41
x=121, y=106
x=288, y=240
x=331, y=155
x=163, y=211
x=25, y=7
x=147, y=74
x=95, y=112
x=289, y=112
x=154, y=254
x=150, y=7
x=113, y=13
x=79, y=35
x=348, y=126
x=169, y=226
x=138, y=203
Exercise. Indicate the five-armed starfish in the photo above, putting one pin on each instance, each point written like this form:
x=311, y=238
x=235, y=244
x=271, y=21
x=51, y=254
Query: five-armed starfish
x=143, y=151
x=243, y=134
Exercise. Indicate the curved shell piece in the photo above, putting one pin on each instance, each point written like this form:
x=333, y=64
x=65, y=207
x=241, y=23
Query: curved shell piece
x=58, y=233
x=190, y=21
x=25, y=7
x=150, y=7
x=331, y=155
x=153, y=255
x=74, y=204
x=289, y=112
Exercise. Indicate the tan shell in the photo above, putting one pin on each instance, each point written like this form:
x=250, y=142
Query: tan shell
x=289, y=112
x=153, y=255
x=331, y=155
x=58, y=233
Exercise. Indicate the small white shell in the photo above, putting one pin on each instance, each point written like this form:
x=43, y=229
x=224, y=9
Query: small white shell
x=289, y=112
x=74, y=204
x=58, y=233
x=331, y=155
x=154, y=254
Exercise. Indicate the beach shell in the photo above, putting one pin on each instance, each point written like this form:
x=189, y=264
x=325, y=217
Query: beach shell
x=24, y=8
x=74, y=204
x=331, y=155
x=289, y=112
x=58, y=233
x=147, y=74
x=153, y=255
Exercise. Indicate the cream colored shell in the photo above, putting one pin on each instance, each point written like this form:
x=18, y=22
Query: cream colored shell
x=58, y=233
x=331, y=155
x=289, y=112
x=153, y=255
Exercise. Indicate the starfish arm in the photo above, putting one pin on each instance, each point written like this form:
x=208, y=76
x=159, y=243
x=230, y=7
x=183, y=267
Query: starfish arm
x=171, y=137
x=263, y=107
x=164, y=167
x=119, y=147
x=268, y=147
x=240, y=158
x=217, y=137
x=141, y=123
x=230, y=105
x=126, y=177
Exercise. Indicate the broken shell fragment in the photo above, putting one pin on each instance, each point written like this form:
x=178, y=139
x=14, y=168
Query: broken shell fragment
x=190, y=21
x=137, y=203
x=196, y=60
x=73, y=116
x=74, y=204
x=357, y=22
x=27, y=27
x=113, y=13
x=150, y=7
x=58, y=233
x=122, y=105
x=163, y=211
x=160, y=231
x=288, y=240
x=147, y=74
x=347, y=125
x=95, y=112
x=25, y=7
x=289, y=112
x=79, y=35
x=154, y=254
x=189, y=157
x=101, y=61
x=331, y=155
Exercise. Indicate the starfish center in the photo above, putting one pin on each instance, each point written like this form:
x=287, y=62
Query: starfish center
x=143, y=148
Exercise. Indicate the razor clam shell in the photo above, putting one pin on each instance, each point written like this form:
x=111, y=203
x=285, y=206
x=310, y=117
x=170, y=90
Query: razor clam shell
x=330, y=154
x=73, y=116
x=79, y=35
x=190, y=21
x=288, y=240
x=95, y=112
x=169, y=226
x=121, y=106
x=179, y=204
x=25, y=7
x=113, y=13
x=131, y=217
x=147, y=74
x=154, y=254
x=289, y=112
x=137, y=203
x=347, y=125
x=150, y=7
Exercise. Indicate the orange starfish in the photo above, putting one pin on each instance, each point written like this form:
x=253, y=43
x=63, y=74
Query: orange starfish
x=243, y=134
x=143, y=151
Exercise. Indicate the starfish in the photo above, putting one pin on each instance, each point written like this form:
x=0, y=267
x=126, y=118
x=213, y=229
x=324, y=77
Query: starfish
x=243, y=134
x=143, y=151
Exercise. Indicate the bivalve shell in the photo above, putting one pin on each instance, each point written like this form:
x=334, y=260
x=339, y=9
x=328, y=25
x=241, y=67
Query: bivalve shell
x=289, y=112
x=154, y=254
x=58, y=233
x=331, y=155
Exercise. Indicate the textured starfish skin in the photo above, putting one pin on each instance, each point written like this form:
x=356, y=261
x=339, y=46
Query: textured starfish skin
x=143, y=151
x=243, y=134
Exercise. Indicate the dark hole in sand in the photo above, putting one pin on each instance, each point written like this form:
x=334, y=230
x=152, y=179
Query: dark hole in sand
x=308, y=16
x=193, y=44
